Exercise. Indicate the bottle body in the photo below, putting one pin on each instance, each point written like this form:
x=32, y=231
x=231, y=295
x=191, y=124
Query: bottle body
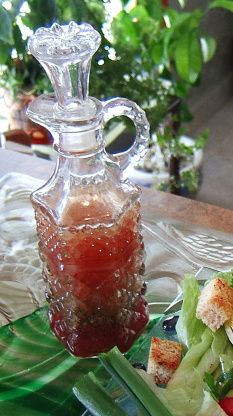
x=92, y=252
x=88, y=218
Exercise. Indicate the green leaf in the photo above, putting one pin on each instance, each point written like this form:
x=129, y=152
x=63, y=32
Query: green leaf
x=181, y=23
x=42, y=16
x=168, y=35
x=182, y=89
x=225, y=4
x=208, y=47
x=210, y=381
x=185, y=389
x=210, y=360
x=4, y=53
x=154, y=9
x=124, y=30
x=190, y=180
x=185, y=113
x=228, y=276
x=141, y=20
x=6, y=34
x=226, y=359
x=201, y=139
x=139, y=12
x=18, y=40
x=156, y=53
x=188, y=56
x=189, y=328
x=224, y=383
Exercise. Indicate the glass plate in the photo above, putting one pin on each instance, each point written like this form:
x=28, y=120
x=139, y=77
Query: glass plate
x=21, y=284
x=36, y=373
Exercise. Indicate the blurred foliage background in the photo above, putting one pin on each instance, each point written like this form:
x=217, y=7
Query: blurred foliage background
x=151, y=53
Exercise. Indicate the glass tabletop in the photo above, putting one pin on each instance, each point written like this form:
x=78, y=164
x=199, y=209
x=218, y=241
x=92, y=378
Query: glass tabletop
x=36, y=373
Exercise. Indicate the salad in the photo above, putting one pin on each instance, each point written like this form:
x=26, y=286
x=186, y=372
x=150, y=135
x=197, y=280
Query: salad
x=202, y=384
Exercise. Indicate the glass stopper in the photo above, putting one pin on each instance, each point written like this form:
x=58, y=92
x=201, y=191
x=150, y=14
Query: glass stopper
x=65, y=52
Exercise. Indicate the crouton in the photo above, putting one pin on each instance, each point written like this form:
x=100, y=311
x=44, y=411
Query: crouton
x=164, y=358
x=215, y=304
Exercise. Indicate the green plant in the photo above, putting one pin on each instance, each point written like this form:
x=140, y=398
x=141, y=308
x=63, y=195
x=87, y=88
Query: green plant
x=169, y=49
x=18, y=71
x=151, y=53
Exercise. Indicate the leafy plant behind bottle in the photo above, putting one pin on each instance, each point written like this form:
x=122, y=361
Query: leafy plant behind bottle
x=171, y=51
x=150, y=53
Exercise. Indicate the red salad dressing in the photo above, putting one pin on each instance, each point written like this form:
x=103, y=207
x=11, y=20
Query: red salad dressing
x=93, y=277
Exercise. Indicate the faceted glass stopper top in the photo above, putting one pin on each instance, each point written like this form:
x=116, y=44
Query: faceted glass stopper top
x=65, y=53
x=70, y=42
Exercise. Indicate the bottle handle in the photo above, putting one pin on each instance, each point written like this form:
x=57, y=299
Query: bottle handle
x=124, y=107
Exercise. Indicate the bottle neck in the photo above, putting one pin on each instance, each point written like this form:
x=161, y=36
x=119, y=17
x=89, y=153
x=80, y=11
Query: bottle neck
x=79, y=142
x=83, y=169
x=83, y=165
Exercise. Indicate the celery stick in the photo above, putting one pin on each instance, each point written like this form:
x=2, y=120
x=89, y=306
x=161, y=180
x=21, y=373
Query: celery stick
x=135, y=383
x=122, y=382
x=94, y=397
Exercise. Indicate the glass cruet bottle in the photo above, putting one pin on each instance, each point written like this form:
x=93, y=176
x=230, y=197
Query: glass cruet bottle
x=88, y=213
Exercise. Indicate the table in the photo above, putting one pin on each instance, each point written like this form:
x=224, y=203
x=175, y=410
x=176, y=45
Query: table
x=154, y=203
x=50, y=371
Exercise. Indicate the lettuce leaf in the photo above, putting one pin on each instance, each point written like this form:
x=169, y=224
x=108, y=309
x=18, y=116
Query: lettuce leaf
x=186, y=392
x=185, y=396
x=226, y=359
x=228, y=276
x=210, y=407
x=211, y=359
x=189, y=329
